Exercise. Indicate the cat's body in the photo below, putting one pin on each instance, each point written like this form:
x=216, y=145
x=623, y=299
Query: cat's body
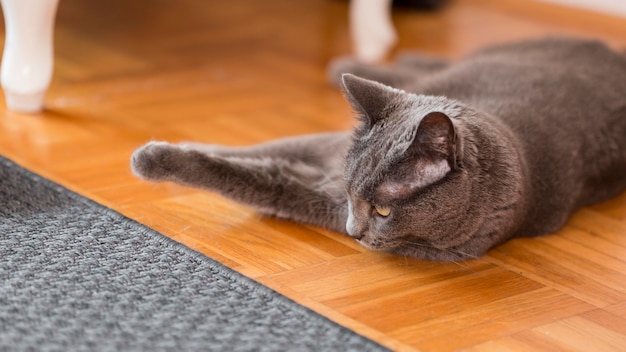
x=526, y=134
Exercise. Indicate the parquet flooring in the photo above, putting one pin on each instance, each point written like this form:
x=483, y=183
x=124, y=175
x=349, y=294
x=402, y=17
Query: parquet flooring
x=240, y=72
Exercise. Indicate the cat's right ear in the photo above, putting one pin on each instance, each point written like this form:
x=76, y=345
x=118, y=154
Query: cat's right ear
x=437, y=136
x=368, y=98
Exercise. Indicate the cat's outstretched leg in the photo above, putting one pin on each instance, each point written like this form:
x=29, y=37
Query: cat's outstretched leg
x=297, y=178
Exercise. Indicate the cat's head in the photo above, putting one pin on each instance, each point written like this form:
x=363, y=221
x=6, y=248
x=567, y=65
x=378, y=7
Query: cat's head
x=407, y=186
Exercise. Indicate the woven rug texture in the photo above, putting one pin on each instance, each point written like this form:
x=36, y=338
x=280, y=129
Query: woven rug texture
x=76, y=276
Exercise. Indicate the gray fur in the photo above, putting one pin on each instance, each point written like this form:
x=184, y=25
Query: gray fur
x=505, y=143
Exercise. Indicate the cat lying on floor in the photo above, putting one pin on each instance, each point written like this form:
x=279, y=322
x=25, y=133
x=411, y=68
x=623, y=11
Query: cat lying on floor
x=505, y=143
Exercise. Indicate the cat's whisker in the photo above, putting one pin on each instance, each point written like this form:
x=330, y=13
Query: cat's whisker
x=463, y=257
x=459, y=256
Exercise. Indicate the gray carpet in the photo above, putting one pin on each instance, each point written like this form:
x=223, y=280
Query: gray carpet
x=77, y=276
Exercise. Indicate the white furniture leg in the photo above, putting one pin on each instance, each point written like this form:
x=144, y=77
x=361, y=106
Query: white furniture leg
x=371, y=27
x=28, y=52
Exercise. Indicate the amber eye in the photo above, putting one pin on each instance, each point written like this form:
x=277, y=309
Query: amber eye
x=382, y=210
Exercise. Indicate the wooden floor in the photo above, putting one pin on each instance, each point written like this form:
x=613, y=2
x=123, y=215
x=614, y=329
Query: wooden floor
x=246, y=71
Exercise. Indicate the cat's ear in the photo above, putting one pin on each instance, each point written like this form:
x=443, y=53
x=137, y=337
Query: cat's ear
x=369, y=98
x=429, y=158
x=436, y=137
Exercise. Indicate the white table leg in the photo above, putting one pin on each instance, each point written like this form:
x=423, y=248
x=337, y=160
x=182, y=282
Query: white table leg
x=28, y=52
x=371, y=27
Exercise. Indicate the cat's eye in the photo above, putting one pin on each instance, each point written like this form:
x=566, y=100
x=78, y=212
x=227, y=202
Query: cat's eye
x=383, y=211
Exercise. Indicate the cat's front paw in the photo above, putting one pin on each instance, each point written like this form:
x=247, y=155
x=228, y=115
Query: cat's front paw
x=156, y=161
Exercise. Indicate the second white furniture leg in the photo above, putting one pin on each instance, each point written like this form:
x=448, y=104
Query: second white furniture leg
x=371, y=27
x=27, y=61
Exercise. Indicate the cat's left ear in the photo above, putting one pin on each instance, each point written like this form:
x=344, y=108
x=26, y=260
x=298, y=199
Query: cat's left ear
x=436, y=136
x=369, y=98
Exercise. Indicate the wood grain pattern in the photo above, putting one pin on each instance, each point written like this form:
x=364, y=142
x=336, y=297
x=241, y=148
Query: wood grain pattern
x=241, y=72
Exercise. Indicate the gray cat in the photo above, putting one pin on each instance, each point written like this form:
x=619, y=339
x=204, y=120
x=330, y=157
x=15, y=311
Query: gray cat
x=505, y=143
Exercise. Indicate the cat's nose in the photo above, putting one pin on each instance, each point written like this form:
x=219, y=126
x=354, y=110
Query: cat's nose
x=357, y=236
x=354, y=232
